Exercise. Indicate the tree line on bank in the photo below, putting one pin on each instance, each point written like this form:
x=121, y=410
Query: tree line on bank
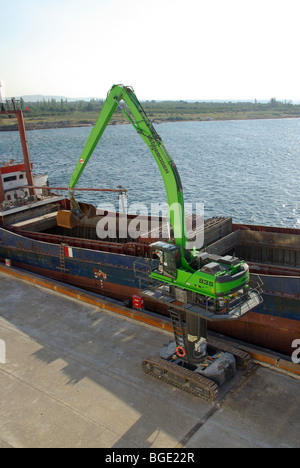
x=171, y=109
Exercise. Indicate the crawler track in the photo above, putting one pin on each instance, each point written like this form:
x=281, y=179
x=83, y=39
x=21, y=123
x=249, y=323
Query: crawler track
x=181, y=378
x=243, y=359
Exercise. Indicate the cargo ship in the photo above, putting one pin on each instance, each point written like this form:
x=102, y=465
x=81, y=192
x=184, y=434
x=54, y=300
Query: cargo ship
x=32, y=239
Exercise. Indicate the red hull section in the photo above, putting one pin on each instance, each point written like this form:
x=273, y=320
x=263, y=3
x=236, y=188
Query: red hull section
x=275, y=333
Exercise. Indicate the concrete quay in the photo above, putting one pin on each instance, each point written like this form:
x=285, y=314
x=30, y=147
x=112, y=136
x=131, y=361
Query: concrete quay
x=72, y=377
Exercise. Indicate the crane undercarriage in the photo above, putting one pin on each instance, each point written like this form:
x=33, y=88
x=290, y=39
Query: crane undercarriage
x=173, y=371
x=193, y=362
x=217, y=365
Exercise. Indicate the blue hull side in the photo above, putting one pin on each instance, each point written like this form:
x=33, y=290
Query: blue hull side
x=282, y=294
x=276, y=320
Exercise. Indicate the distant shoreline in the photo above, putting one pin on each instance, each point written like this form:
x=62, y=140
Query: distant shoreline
x=43, y=126
x=53, y=124
x=50, y=114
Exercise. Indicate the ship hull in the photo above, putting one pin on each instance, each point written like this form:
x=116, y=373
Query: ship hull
x=267, y=326
x=275, y=324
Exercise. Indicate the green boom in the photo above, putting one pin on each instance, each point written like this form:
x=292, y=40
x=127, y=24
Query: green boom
x=166, y=165
x=205, y=274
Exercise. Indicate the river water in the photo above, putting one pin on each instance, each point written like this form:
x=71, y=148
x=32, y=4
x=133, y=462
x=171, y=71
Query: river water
x=247, y=170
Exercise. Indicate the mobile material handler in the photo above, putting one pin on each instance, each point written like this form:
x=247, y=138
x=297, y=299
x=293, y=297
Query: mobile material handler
x=197, y=286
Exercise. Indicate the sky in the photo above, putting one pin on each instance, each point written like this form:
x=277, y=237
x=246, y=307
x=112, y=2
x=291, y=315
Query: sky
x=164, y=49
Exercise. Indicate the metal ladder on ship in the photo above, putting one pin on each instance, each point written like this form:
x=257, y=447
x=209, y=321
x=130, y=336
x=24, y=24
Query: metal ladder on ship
x=62, y=260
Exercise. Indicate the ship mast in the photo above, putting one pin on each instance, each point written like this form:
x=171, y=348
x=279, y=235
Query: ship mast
x=21, y=126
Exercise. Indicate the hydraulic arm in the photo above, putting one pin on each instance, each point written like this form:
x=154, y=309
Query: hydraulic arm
x=144, y=127
x=199, y=274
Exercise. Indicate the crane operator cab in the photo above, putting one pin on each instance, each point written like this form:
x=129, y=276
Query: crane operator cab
x=165, y=259
x=210, y=281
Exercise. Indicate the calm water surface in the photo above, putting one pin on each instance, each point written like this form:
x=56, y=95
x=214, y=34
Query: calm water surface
x=248, y=170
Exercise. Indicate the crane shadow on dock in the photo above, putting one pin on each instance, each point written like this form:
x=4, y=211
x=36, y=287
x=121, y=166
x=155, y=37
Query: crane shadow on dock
x=74, y=373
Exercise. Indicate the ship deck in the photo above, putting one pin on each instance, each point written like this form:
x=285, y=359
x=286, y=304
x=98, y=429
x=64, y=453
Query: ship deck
x=73, y=378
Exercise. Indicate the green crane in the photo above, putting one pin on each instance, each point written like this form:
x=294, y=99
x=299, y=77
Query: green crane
x=208, y=287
